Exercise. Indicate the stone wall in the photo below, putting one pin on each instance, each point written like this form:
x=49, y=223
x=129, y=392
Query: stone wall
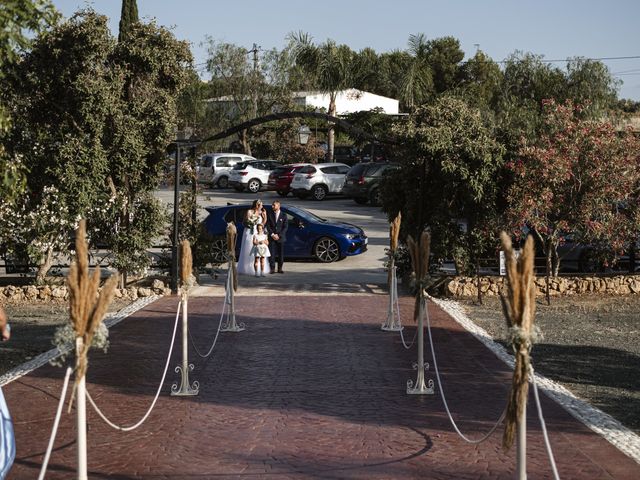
x=60, y=293
x=618, y=285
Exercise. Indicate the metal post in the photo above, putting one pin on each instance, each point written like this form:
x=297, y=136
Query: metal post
x=230, y=325
x=392, y=324
x=521, y=455
x=420, y=387
x=81, y=420
x=185, y=389
x=176, y=214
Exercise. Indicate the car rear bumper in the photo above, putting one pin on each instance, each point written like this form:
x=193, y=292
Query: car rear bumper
x=355, y=191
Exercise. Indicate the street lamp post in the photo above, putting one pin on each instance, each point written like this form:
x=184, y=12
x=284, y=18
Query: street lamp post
x=176, y=213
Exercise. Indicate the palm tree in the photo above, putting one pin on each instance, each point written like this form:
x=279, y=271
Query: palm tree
x=417, y=81
x=331, y=68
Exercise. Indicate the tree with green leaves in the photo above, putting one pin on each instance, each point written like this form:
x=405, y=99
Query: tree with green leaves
x=246, y=86
x=332, y=68
x=449, y=162
x=128, y=18
x=17, y=18
x=93, y=117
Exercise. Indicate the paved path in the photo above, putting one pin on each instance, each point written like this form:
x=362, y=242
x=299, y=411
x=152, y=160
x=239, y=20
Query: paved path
x=312, y=389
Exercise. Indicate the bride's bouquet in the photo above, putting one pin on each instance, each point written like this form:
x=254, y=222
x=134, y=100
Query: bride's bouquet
x=251, y=221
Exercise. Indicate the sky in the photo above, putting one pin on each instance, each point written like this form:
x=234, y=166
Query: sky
x=556, y=29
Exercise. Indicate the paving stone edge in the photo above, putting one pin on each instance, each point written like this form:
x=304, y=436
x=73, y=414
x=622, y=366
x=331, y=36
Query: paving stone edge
x=603, y=424
x=36, y=362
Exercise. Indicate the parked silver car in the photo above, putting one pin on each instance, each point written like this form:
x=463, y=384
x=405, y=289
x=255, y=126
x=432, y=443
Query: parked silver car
x=213, y=168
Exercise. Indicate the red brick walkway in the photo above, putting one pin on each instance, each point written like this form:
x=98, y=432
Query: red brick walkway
x=312, y=389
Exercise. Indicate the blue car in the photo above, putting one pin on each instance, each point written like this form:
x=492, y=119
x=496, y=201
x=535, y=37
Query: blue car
x=308, y=236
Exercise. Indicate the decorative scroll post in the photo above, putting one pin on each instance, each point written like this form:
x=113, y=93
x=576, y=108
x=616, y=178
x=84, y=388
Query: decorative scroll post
x=86, y=311
x=232, y=282
x=187, y=280
x=420, y=261
x=519, y=308
x=392, y=324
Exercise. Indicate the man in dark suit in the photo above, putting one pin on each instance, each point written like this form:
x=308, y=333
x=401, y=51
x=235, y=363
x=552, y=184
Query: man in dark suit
x=277, y=225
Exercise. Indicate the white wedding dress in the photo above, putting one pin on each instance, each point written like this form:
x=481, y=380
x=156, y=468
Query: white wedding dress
x=245, y=261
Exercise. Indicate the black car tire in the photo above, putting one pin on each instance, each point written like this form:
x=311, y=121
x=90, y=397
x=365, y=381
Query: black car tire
x=319, y=192
x=219, y=250
x=223, y=182
x=282, y=193
x=376, y=197
x=254, y=185
x=360, y=200
x=326, y=250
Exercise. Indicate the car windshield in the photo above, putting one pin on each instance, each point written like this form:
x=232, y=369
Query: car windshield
x=308, y=169
x=305, y=215
x=281, y=170
x=240, y=165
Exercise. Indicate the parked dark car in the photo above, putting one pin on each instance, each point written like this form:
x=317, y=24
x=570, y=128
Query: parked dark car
x=362, y=182
x=374, y=152
x=345, y=154
x=308, y=235
x=280, y=178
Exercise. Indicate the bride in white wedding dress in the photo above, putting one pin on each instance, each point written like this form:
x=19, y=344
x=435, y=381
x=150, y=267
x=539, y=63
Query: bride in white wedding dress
x=254, y=216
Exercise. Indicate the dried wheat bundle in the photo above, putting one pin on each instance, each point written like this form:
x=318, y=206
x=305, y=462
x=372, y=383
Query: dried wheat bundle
x=87, y=307
x=419, y=253
x=186, y=267
x=394, y=233
x=232, y=234
x=518, y=306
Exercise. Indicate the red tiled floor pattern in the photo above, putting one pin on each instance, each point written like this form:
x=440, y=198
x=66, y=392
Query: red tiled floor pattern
x=312, y=389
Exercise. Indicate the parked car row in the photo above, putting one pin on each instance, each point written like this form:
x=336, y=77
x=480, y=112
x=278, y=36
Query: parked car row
x=242, y=172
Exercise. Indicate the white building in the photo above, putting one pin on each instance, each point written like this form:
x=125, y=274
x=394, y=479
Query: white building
x=348, y=101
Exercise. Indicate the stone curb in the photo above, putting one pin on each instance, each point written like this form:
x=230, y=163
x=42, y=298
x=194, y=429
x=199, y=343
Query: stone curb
x=603, y=424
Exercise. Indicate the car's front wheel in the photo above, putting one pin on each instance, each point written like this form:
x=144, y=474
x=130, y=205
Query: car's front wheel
x=319, y=192
x=254, y=185
x=219, y=250
x=223, y=182
x=326, y=250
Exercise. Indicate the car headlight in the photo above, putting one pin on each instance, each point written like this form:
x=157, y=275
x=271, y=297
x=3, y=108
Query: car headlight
x=351, y=236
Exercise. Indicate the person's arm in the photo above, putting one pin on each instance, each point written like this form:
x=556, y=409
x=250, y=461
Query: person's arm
x=4, y=326
x=255, y=240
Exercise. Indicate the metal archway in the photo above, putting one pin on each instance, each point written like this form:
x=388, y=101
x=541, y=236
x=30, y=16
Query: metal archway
x=348, y=127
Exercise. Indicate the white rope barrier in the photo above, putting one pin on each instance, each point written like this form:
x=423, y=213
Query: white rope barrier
x=224, y=306
x=444, y=400
x=396, y=303
x=153, y=404
x=543, y=425
x=56, y=422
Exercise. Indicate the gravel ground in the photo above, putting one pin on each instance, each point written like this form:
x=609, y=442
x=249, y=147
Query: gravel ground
x=32, y=329
x=591, y=346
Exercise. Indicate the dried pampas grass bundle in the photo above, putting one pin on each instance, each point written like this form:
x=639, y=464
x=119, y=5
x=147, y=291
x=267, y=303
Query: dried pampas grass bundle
x=187, y=278
x=518, y=306
x=419, y=253
x=394, y=233
x=87, y=307
x=232, y=234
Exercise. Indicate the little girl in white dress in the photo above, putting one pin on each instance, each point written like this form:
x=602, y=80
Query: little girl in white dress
x=260, y=249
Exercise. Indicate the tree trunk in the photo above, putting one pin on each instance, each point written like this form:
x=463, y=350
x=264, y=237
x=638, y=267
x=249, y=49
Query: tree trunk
x=44, y=267
x=331, y=134
x=548, y=252
x=245, y=142
x=478, y=281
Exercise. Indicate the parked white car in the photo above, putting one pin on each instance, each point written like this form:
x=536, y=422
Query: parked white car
x=213, y=168
x=319, y=180
x=251, y=175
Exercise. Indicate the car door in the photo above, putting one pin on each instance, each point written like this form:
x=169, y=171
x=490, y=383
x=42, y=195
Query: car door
x=205, y=170
x=299, y=236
